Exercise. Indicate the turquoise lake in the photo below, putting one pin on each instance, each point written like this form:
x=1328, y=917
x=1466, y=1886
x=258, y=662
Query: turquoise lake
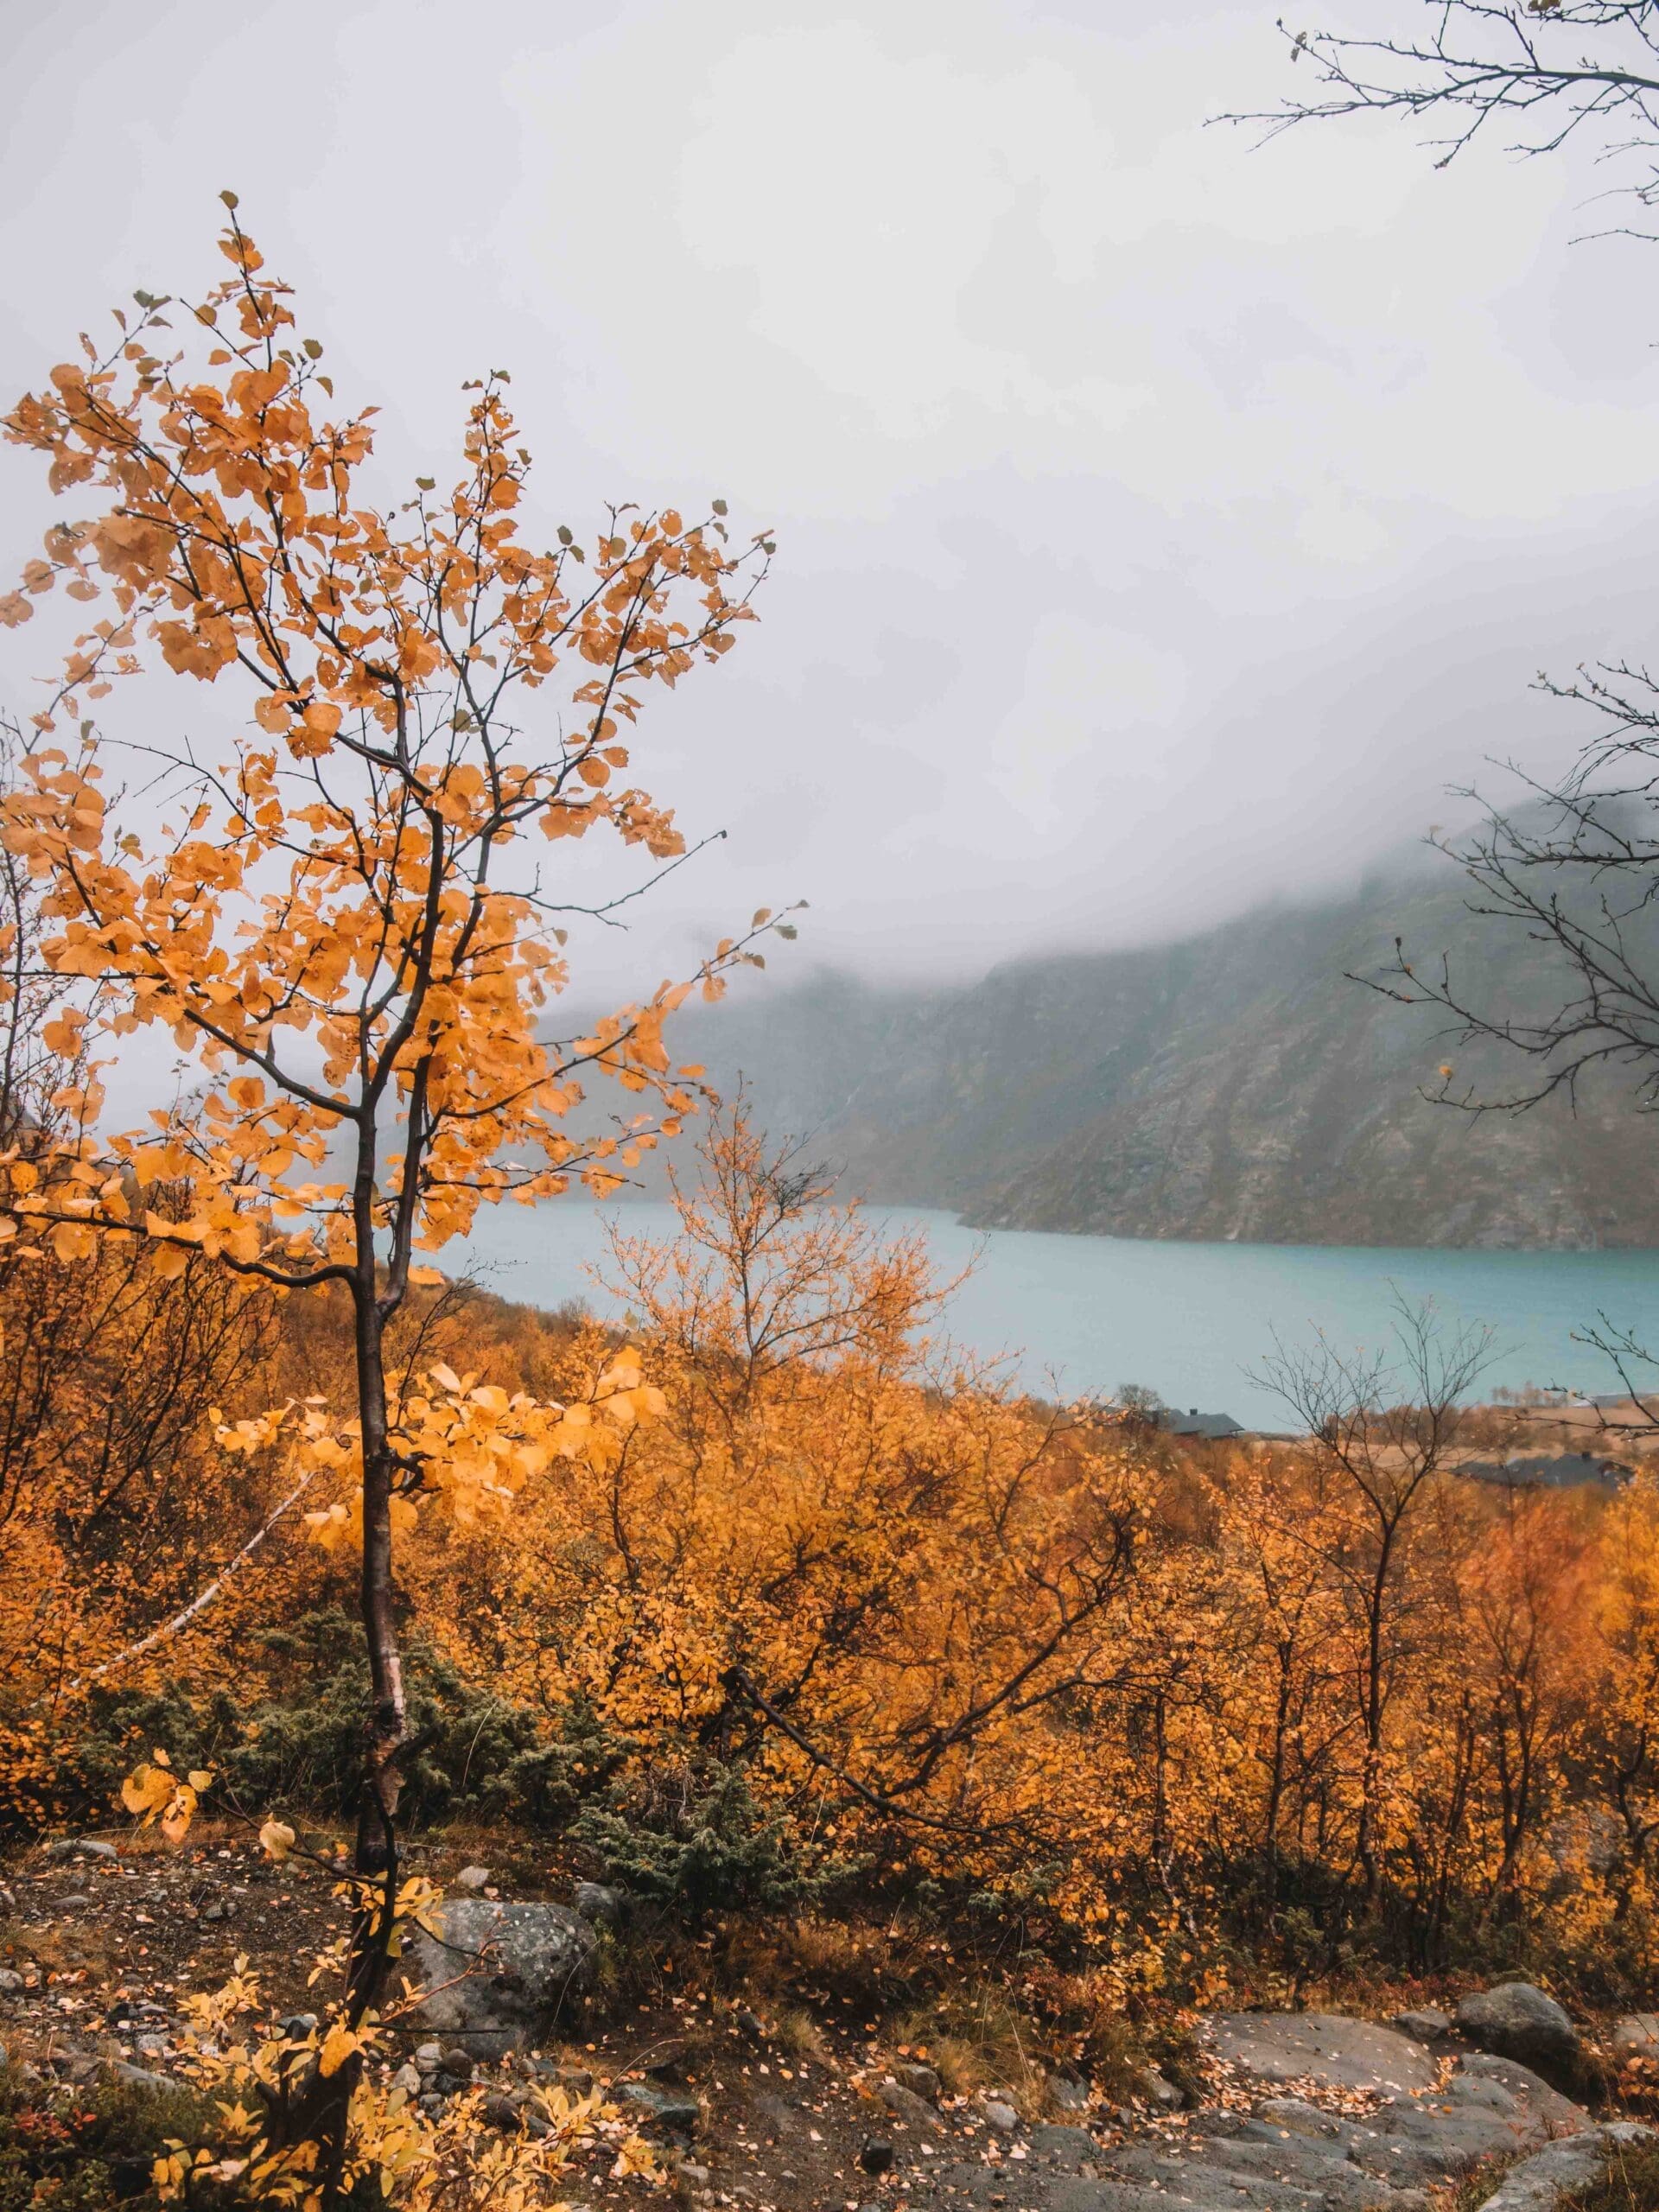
x=1191, y=1321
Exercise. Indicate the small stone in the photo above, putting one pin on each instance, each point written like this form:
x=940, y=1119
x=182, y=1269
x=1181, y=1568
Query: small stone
x=11, y=1985
x=676, y=2111
x=298, y=2025
x=698, y=2175
x=472, y=1877
x=73, y=1899
x=408, y=2079
x=432, y=2103
x=1636, y=2035
x=217, y=1912
x=1162, y=2092
x=1002, y=2117
x=138, y=2078
x=920, y=2080
x=428, y=2056
x=458, y=2063
x=598, y=1902
x=575, y=2080
x=500, y=2111
x=83, y=1846
x=1297, y=2117
x=876, y=2155
x=1068, y=2092
x=1425, y=2026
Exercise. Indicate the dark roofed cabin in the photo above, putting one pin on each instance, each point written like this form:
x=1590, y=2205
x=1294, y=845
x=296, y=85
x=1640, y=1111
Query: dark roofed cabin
x=1194, y=1423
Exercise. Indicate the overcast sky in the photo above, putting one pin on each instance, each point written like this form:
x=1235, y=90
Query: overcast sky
x=1162, y=524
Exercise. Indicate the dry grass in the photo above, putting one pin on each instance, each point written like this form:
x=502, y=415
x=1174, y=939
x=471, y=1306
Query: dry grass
x=974, y=2038
x=1630, y=2184
x=1469, y=2194
x=798, y=2037
x=864, y=1969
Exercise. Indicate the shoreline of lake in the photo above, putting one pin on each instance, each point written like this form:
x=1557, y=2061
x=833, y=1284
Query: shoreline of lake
x=1081, y=1314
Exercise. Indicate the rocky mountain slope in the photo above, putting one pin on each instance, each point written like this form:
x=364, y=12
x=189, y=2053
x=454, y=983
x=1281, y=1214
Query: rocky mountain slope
x=1234, y=1085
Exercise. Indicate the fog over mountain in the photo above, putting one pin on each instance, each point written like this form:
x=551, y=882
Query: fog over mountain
x=1162, y=522
x=1230, y=1084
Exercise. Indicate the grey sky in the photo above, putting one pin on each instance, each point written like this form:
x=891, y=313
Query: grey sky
x=1161, y=524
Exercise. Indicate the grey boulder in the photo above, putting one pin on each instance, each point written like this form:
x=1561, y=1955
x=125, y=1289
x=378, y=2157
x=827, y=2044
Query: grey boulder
x=1517, y=2020
x=1636, y=2035
x=1426, y=2026
x=495, y=1975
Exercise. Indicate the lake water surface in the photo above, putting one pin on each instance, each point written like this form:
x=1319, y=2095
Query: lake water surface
x=1189, y=1320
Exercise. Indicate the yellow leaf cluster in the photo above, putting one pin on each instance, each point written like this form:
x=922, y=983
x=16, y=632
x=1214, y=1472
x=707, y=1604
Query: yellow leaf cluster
x=158, y=1795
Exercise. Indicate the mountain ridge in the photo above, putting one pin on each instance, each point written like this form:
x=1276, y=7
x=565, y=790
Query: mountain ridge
x=1229, y=1086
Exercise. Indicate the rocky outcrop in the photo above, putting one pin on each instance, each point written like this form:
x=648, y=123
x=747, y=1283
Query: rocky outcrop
x=1391, y=2131
x=1540, y=2182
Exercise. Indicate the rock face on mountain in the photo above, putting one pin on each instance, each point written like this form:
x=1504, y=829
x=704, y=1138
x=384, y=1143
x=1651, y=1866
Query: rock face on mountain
x=1233, y=1086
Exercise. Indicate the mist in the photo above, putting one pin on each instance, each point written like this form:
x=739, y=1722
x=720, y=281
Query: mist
x=1165, y=520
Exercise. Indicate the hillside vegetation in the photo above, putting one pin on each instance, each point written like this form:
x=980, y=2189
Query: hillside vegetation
x=815, y=1622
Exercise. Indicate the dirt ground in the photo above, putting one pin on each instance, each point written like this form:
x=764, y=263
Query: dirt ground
x=99, y=1949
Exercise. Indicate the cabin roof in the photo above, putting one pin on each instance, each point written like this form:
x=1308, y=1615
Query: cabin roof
x=1194, y=1423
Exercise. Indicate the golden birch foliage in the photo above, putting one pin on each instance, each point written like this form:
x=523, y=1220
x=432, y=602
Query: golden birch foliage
x=463, y=1447
x=904, y=1587
x=332, y=921
x=413, y=2163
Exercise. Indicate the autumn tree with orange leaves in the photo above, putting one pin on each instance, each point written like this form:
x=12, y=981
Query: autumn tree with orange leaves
x=340, y=923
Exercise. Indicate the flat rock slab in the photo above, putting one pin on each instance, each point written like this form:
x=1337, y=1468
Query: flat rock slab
x=1291, y=2155
x=1323, y=2047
